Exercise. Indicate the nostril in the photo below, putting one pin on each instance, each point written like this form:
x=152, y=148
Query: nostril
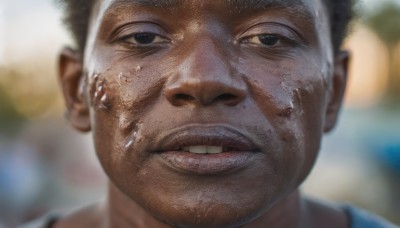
x=226, y=97
x=184, y=97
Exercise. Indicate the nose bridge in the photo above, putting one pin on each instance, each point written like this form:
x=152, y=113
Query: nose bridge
x=208, y=62
x=205, y=76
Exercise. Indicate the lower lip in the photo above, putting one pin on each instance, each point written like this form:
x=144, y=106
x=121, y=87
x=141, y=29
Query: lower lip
x=206, y=164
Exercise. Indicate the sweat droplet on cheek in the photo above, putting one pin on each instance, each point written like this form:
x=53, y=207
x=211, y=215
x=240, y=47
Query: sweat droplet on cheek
x=286, y=110
x=299, y=99
x=126, y=78
x=93, y=93
x=275, y=101
x=131, y=140
x=129, y=144
x=286, y=107
x=98, y=92
x=123, y=79
x=105, y=102
x=95, y=76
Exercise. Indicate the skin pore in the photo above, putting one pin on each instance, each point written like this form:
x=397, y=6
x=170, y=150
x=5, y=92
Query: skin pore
x=206, y=113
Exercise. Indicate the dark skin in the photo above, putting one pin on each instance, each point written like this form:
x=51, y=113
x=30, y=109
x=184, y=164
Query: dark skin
x=210, y=120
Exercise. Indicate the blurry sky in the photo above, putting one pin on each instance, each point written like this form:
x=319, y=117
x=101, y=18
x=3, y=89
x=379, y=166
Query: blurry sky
x=31, y=37
x=27, y=28
x=371, y=5
x=2, y=29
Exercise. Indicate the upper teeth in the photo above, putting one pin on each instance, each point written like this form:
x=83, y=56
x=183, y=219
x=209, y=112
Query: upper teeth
x=204, y=149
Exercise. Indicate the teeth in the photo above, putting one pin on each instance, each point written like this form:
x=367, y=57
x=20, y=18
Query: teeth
x=204, y=149
x=214, y=149
x=197, y=149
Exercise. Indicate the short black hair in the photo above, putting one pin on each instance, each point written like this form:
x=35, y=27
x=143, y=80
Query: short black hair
x=77, y=13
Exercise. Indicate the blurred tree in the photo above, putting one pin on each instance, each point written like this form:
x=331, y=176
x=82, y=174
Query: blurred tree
x=10, y=119
x=386, y=23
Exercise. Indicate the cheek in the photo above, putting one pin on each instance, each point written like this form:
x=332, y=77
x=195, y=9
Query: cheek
x=115, y=125
x=292, y=98
x=124, y=83
x=304, y=127
x=119, y=95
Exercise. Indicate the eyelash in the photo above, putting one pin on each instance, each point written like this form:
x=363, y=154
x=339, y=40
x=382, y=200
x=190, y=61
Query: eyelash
x=277, y=40
x=277, y=37
x=157, y=40
x=261, y=38
x=150, y=39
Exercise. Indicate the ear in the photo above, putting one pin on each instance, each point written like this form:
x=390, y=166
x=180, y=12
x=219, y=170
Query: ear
x=339, y=82
x=71, y=78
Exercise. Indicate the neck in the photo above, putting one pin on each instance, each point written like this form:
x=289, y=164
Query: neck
x=125, y=212
x=289, y=212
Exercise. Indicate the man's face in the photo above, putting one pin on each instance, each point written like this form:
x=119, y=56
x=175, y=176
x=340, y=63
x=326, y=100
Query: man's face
x=206, y=112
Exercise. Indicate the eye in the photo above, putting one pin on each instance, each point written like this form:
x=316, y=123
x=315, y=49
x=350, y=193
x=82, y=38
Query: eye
x=268, y=40
x=144, y=39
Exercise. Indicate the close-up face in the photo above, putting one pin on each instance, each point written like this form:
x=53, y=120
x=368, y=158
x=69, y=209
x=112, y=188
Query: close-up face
x=206, y=112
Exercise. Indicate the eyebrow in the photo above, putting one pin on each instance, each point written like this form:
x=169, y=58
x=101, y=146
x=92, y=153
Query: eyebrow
x=259, y=5
x=262, y=4
x=149, y=3
x=239, y=5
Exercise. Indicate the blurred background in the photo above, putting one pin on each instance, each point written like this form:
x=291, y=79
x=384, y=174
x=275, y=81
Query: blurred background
x=46, y=166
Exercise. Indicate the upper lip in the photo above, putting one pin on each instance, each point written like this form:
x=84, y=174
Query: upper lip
x=199, y=135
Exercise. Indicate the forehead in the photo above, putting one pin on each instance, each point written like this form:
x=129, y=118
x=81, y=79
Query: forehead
x=306, y=8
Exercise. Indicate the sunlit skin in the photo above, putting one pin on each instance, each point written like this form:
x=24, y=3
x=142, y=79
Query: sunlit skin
x=256, y=83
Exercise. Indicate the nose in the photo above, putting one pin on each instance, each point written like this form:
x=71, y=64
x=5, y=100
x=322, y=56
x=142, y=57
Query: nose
x=205, y=77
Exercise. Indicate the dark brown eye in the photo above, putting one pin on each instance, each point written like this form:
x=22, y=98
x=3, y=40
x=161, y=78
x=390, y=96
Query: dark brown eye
x=144, y=39
x=268, y=40
x=265, y=39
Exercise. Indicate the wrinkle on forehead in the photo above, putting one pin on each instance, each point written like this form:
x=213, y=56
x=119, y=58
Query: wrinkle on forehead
x=264, y=4
x=150, y=3
x=234, y=5
x=301, y=8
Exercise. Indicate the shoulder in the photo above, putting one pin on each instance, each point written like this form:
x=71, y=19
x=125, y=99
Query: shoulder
x=46, y=221
x=322, y=213
x=89, y=216
x=342, y=215
x=363, y=219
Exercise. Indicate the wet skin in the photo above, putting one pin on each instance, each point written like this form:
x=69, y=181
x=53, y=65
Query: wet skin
x=258, y=80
